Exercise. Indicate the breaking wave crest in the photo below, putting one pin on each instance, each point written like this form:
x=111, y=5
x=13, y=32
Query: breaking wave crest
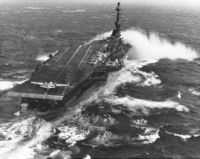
x=146, y=47
x=134, y=104
x=6, y=85
x=42, y=57
x=18, y=138
x=194, y=92
x=100, y=37
x=131, y=73
x=96, y=128
x=184, y=137
x=45, y=57
x=152, y=47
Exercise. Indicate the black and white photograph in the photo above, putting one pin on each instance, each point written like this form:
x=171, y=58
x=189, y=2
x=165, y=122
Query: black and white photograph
x=99, y=79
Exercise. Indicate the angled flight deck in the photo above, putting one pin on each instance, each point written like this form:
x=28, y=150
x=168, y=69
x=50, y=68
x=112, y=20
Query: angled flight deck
x=64, y=71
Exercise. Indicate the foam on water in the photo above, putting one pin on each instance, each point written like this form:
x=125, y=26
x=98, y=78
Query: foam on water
x=115, y=79
x=149, y=79
x=139, y=123
x=87, y=157
x=6, y=85
x=147, y=47
x=135, y=104
x=128, y=74
x=150, y=136
x=194, y=92
x=71, y=134
x=42, y=57
x=58, y=154
x=18, y=138
x=185, y=136
x=45, y=57
x=100, y=37
x=182, y=136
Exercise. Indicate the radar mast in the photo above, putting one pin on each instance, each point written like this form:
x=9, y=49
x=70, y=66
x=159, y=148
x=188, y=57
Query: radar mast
x=116, y=31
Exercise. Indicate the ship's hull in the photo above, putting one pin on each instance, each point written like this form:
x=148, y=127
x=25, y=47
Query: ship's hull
x=77, y=70
x=51, y=108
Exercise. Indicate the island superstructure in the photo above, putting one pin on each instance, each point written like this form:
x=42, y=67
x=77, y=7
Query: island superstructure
x=67, y=74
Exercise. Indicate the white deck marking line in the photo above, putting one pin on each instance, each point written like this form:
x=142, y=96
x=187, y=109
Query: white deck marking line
x=67, y=49
x=65, y=66
x=85, y=55
x=68, y=62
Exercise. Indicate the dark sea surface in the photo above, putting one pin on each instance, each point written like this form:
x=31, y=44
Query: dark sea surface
x=148, y=109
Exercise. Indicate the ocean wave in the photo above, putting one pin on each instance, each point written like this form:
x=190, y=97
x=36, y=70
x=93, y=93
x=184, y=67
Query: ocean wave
x=42, y=57
x=18, y=138
x=20, y=76
x=16, y=73
x=92, y=127
x=59, y=154
x=87, y=157
x=131, y=73
x=194, y=92
x=71, y=134
x=74, y=11
x=184, y=137
x=36, y=8
x=6, y=85
x=139, y=105
x=107, y=138
x=139, y=123
x=100, y=37
x=148, y=79
x=150, y=136
x=45, y=57
x=146, y=47
x=115, y=79
x=77, y=11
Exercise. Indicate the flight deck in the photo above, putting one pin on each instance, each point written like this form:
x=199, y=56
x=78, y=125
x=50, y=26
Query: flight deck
x=63, y=71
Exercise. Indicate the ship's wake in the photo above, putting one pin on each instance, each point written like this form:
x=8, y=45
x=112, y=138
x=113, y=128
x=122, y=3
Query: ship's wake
x=105, y=118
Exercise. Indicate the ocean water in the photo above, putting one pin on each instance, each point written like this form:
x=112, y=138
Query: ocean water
x=148, y=109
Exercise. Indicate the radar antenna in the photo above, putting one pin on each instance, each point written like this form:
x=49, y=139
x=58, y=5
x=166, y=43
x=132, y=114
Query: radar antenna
x=116, y=31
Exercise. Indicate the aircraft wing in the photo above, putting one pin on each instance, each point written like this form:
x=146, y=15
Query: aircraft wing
x=38, y=83
x=62, y=85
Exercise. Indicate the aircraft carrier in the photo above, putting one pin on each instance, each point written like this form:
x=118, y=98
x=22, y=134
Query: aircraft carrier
x=68, y=73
